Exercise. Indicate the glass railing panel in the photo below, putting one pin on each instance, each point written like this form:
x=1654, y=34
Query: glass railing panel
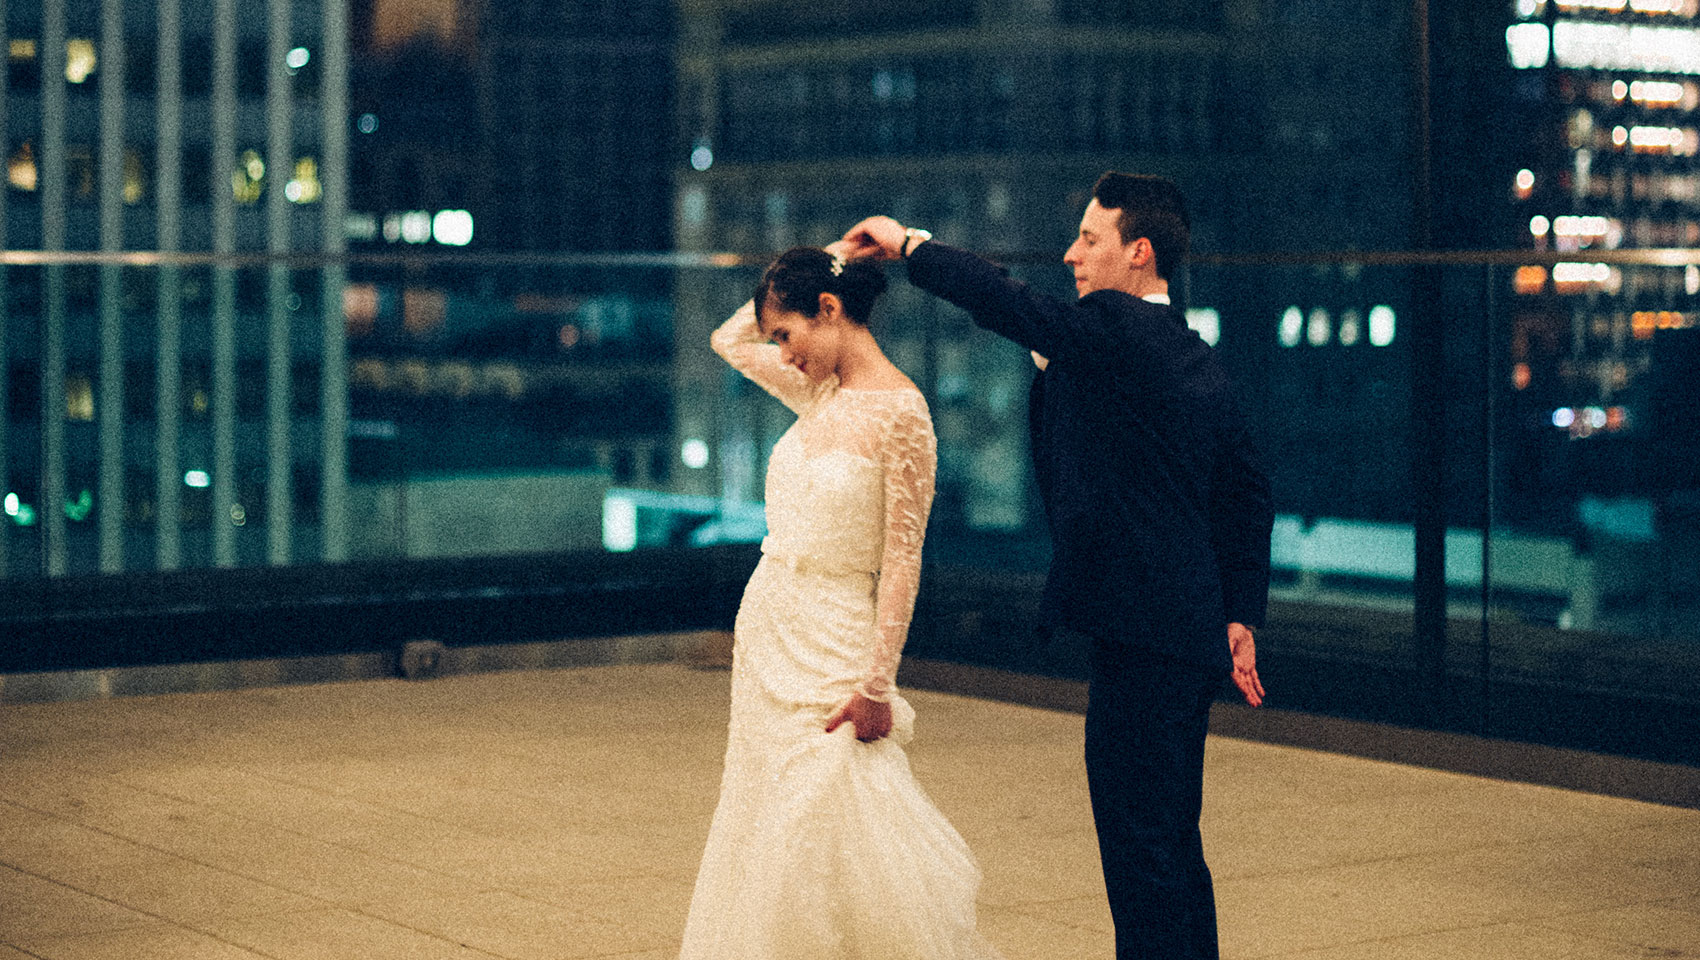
x=1596, y=478
x=1320, y=355
x=182, y=416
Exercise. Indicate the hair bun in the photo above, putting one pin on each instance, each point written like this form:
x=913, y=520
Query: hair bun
x=800, y=275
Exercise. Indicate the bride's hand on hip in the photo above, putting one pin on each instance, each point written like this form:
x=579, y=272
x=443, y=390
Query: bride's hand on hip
x=871, y=718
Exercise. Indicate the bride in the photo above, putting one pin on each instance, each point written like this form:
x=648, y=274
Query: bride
x=823, y=845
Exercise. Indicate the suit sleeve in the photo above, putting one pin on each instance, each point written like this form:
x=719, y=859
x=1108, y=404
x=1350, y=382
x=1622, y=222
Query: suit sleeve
x=1006, y=306
x=1241, y=519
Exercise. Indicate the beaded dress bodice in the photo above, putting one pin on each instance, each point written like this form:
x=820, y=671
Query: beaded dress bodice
x=849, y=485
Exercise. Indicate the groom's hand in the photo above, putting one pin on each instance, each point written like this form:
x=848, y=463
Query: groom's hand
x=1244, y=649
x=871, y=718
x=878, y=237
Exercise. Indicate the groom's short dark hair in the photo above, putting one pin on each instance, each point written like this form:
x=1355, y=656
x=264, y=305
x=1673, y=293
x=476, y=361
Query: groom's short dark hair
x=1150, y=207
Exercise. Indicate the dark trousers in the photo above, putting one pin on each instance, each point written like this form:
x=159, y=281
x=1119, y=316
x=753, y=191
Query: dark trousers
x=1145, y=727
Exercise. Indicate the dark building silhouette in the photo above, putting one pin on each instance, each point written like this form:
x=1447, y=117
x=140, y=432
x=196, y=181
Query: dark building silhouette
x=549, y=122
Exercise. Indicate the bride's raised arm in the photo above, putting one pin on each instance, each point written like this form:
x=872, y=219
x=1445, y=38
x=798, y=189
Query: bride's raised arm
x=909, y=454
x=740, y=342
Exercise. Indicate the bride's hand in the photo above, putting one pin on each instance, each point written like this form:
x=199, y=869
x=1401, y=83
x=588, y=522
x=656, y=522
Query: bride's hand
x=871, y=718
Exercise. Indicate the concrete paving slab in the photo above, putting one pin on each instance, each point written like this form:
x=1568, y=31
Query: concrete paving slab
x=339, y=935
x=148, y=943
x=34, y=908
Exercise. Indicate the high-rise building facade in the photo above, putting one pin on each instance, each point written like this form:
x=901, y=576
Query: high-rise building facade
x=1604, y=124
x=186, y=407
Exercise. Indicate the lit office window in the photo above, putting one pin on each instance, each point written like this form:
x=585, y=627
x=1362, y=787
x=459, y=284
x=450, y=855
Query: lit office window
x=248, y=180
x=452, y=227
x=1351, y=328
x=304, y=186
x=1529, y=280
x=79, y=507
x=1318, y=330
x=1656, y=93
x=1292, y=327
x=1381, y=325
x=1206, y=322
x=1528, y=45
x=1617, y=46
x=135, y=177
x=80, y=59
x=79, y=398
x=21, y=172
x=695, y=454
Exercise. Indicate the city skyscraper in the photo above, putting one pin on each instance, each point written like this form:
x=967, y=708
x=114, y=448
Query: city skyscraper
x=1603, y=105
x=185, y=409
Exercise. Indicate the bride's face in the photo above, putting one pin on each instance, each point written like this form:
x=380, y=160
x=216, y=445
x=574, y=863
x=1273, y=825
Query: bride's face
x=811, y=344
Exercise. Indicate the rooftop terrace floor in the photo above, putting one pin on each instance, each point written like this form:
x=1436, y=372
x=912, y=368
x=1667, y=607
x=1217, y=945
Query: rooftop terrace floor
x=561, y=813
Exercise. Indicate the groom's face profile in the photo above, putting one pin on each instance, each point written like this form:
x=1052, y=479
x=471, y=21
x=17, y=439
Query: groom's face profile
x=1099, y=258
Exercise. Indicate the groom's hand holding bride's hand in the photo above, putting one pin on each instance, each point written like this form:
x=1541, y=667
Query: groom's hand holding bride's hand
x=1244, y=649
x=878, y=237
x=871, y=718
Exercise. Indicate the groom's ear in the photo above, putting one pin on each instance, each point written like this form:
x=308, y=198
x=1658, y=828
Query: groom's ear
x=1140, y=253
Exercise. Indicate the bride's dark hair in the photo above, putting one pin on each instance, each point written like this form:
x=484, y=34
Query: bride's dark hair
x=801, y=274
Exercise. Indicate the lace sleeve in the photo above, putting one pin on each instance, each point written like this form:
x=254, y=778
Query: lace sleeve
x=740, y=343
x=909, y=456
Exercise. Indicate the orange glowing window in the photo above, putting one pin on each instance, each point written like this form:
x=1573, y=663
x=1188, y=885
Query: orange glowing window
x=1529, y=280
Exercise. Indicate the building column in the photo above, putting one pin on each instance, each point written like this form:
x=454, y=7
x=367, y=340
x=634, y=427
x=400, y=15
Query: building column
x=333, y=382
x=224, y=283
x=168, y=403
x=109, y=386
x=51, y=176
x=280, y=162
x=5, y=389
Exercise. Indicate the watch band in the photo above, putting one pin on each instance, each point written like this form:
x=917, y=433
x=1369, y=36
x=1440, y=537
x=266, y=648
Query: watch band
x=914, y=236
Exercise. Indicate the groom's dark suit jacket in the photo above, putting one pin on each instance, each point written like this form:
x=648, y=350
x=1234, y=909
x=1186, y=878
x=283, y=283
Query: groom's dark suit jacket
x=1160, y=514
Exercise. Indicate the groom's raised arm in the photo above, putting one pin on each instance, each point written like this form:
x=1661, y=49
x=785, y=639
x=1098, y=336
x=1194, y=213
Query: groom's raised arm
x=1043, y=324
x=999, y=302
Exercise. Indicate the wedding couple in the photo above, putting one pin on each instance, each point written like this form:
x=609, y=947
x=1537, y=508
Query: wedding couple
x=823, y=845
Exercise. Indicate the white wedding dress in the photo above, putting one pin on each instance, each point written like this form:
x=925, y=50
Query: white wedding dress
x=824, y=847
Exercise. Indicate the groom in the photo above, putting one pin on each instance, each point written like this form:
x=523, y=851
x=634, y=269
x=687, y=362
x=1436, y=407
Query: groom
x=1160, y=521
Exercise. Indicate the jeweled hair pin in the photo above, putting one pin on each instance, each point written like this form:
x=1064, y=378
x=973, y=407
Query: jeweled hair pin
x=837, y=265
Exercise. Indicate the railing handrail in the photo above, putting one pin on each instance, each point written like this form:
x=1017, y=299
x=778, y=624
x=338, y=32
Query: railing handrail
x=1659, y=256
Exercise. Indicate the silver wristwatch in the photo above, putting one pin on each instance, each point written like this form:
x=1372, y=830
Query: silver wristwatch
x=914, y=237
